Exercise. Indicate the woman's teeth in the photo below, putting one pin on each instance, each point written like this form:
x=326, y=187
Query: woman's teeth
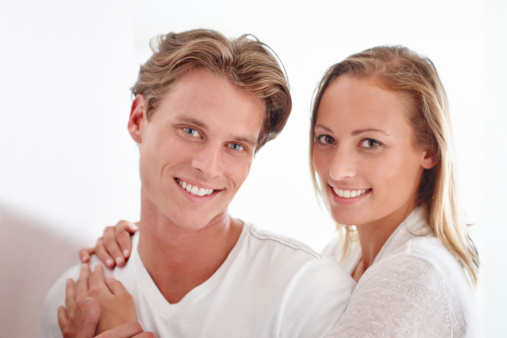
x=349, y=193
x=195, y=190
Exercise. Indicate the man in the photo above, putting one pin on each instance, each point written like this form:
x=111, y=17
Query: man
x=203, y=106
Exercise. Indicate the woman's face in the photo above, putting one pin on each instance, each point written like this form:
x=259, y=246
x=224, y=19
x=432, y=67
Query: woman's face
x=364, y=153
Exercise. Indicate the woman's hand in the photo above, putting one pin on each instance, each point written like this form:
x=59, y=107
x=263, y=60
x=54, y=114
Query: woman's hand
x=114, y=247
x=116, y=304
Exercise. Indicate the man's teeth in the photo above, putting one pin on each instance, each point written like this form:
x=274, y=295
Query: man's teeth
x=349, y=193
x=195, y=190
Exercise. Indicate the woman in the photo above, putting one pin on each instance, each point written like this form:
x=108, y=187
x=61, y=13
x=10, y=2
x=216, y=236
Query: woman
x=382, y=151
x=382, y=160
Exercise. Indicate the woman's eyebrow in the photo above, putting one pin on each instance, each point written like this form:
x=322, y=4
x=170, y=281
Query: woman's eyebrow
x=361, y=131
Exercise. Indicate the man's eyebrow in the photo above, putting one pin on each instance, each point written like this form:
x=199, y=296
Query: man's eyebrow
x=191, y=120
x=250, y=141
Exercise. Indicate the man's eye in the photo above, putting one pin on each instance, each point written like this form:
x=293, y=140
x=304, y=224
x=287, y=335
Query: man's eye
x=236, y=147
x=370, y=143
x=325, y=139
x=191, y=131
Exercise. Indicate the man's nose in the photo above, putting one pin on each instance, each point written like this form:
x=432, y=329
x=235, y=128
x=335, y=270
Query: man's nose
x=209, y=159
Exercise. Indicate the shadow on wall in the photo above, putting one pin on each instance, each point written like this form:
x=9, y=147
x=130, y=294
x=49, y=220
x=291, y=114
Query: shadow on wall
x=32, y=257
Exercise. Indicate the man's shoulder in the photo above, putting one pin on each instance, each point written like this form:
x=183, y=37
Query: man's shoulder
x=280, y=242
x=54, y=298
x=277, y=251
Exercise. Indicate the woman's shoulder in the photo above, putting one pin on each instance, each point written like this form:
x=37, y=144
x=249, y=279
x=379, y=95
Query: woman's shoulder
x=406, y=273
x=422, y=255
x=423, y=281
x=422, y=264
x=402, y=295
x=408, y=295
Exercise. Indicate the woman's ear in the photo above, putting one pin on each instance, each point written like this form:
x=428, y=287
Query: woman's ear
x=137, y=118
x=429, y=159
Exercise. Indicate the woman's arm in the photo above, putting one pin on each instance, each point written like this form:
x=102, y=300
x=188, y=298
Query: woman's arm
x=401, y=296
x=129, y=330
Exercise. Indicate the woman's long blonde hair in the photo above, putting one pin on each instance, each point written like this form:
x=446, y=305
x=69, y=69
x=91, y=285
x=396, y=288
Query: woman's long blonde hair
x=400, y=70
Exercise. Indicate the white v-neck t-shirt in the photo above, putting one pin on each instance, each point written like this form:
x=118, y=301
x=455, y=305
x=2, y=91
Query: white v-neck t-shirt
x=269, y=286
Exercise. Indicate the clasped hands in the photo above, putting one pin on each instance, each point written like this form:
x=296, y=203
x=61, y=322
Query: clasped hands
x=98, y=305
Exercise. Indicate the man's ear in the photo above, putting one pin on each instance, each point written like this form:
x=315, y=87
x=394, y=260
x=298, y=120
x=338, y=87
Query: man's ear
x=429, y=159
x=137, y=118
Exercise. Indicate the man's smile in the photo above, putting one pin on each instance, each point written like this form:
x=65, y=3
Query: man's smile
x=193, y=189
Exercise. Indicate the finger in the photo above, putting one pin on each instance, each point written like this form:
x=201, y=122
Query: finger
x=70, y=301
x=85, y=253
x=123, y=231
x=97, y=279
x=93, y=314
x=115, y=286
x=103, y=255
x=81, y=287
x=63, y=318
x=123, y=331
x=112, y=246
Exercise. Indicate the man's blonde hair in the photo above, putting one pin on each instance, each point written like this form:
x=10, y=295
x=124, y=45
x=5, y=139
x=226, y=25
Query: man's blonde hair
x=245, y=61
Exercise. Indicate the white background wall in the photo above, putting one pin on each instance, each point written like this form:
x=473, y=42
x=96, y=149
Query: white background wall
x=66, y=68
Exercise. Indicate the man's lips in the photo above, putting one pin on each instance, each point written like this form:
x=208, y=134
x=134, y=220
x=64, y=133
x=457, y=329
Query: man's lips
x=194, y=189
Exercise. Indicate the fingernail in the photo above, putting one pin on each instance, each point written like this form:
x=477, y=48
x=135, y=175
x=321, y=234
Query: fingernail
x=109, y=262
x=133, y=226
x=119, y=260
x=125, y=253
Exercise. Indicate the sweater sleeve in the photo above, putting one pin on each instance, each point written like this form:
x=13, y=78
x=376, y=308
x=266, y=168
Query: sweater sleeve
x=403, y=296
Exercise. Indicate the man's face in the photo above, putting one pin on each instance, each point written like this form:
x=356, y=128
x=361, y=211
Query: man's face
x=197, y=148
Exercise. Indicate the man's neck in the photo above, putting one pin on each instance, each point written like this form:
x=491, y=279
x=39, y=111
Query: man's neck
x=179, y=259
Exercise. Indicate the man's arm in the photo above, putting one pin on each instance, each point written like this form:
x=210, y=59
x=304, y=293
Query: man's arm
x=80, y=315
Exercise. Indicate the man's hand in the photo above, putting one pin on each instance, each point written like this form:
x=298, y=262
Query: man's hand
x=80, y=315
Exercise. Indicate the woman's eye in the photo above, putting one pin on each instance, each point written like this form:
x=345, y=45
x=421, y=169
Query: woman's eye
x=191, y=132
x=370, y=143
x=236, y=147
x=325, y=139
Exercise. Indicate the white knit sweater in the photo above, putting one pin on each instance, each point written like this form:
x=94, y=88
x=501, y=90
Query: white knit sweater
x=414, y=288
